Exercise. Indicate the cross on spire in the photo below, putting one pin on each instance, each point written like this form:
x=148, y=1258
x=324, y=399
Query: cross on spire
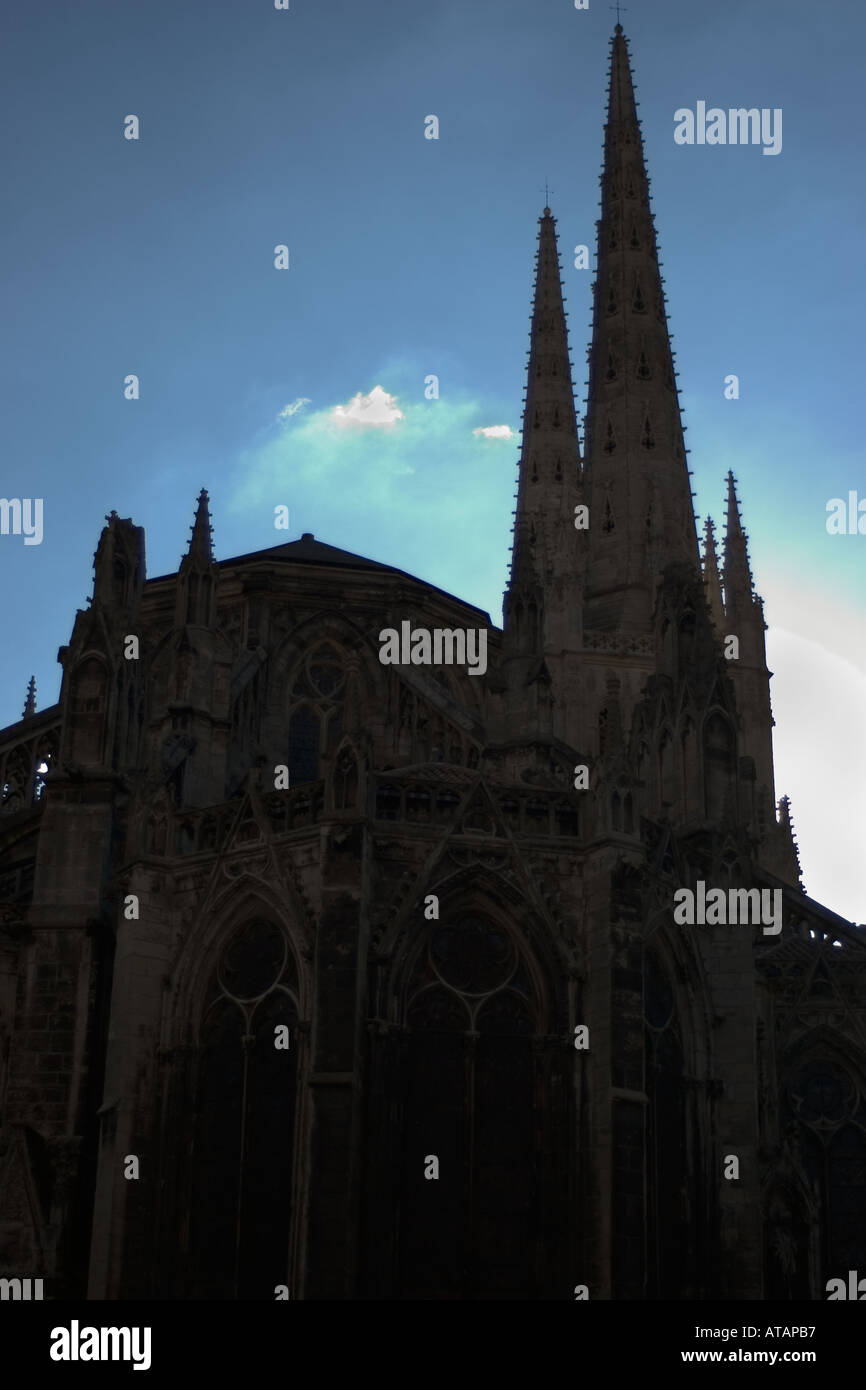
x=617, y=8
x=546, y=195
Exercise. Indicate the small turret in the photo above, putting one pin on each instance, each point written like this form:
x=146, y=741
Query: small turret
x=30, y=702
x=197, y=575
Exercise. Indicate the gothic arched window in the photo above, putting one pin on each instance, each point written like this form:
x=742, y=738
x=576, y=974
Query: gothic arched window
x=244, y=1119
x=316, y=714
x=831, y=1119
x=470, y=1101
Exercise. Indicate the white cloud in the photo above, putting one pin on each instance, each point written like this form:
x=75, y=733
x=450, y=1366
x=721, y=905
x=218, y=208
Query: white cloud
x=293, y=409
x=496, y=431
x=378, y=409
x=423, y=495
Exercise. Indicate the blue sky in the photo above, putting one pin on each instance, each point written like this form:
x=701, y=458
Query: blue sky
x=410, y=257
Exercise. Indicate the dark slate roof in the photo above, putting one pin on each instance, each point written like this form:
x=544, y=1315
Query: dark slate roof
x=310, y=551
x=317, y=552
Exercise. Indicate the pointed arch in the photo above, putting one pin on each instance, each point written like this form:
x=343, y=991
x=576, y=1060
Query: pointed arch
x=472, y=1016
x=243, y=1134
x=478, y=1078
x=229, y=904
x=824, y=1108
x=234, y=1108
x=352, y=647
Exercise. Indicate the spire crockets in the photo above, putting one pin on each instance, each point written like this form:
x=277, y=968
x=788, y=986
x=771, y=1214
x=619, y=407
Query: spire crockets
x=737, y=575
x=712, y=582
x=637, y=481
x=197, y=574
x=201, y=540
x=30, y=702
x=744, y=619
x=548, y=486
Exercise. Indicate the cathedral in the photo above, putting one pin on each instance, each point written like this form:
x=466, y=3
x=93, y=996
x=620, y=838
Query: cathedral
x=323, y=977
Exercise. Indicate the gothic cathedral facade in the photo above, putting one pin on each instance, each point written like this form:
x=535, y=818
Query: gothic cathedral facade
x=467, y=945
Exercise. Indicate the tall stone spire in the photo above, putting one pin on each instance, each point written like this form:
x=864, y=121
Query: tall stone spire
x=712, y=581
x=637, y=481
x=30, y=702
x=550, y=465
x=543, y=602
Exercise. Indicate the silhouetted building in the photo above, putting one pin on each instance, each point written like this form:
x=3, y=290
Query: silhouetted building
x=434, y=908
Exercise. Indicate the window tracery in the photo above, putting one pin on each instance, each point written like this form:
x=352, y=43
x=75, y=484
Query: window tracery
x=316, y=715
x=470, y=1094
x=826, y=1106
x=246, y=1091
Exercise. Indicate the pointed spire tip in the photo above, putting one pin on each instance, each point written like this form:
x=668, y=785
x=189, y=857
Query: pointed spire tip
x=201, y=532
x=30, y=702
